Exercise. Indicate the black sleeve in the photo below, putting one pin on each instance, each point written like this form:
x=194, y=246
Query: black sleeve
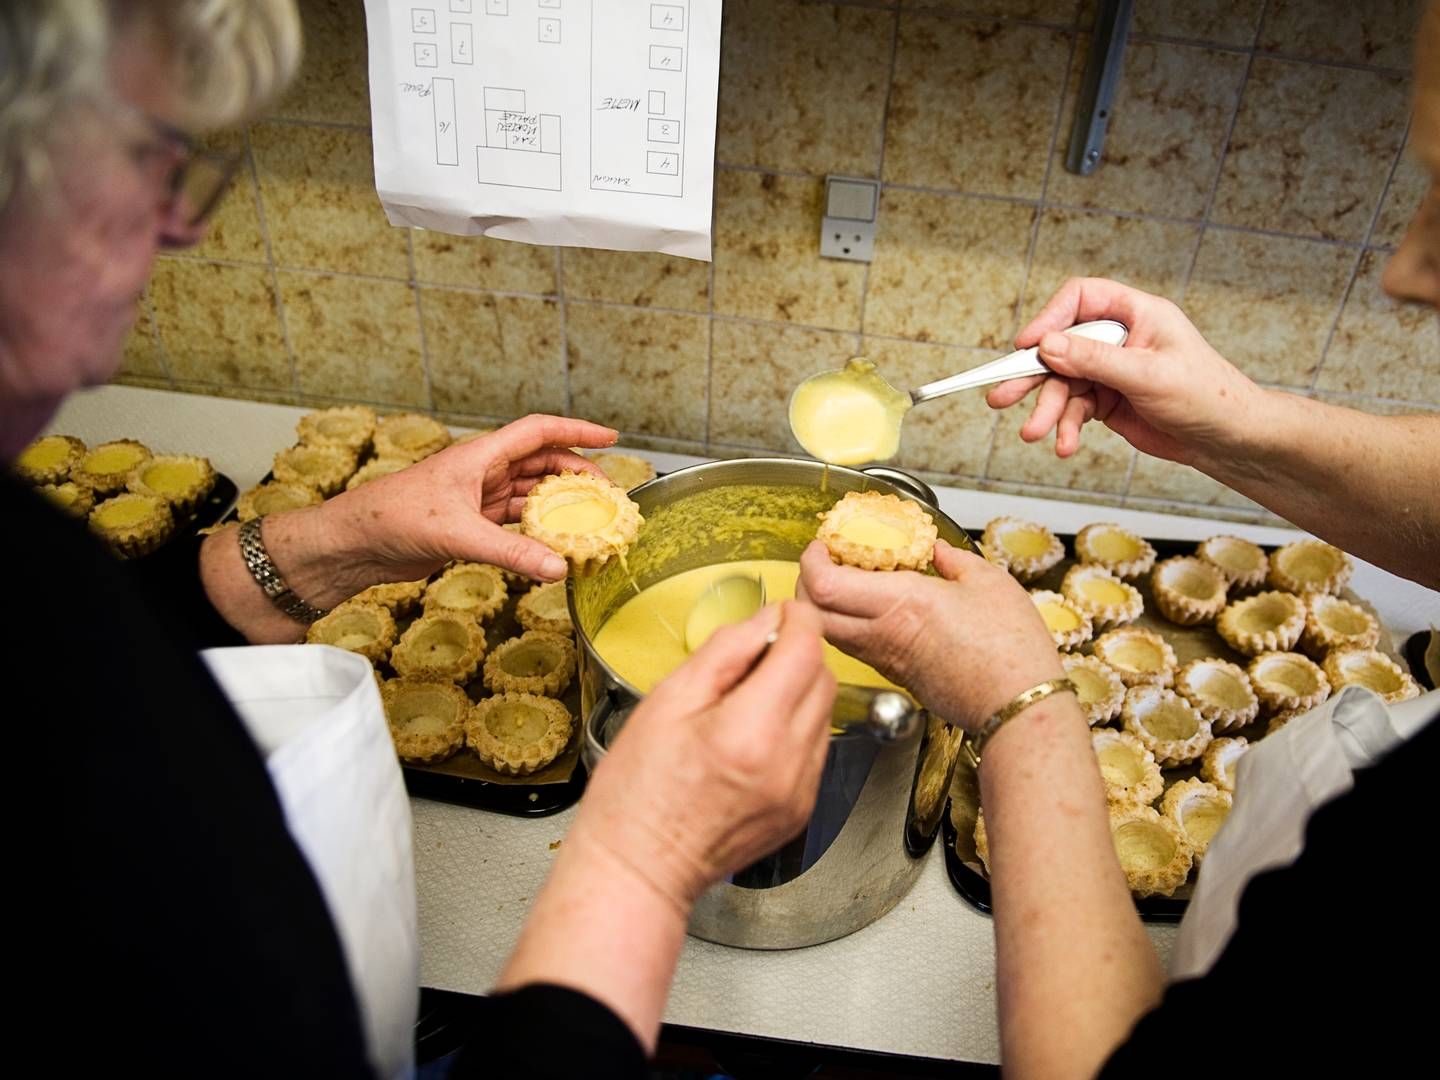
x=1321, y=973
x=164, y=918
x=547, y=1032
x=171, y=577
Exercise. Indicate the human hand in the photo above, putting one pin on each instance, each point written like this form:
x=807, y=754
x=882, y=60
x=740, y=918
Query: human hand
x=964, y=643
x=1166, y=392
x=719, y=765
x=451, y=506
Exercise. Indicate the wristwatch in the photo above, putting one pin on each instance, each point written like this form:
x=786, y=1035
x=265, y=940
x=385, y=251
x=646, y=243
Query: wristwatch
x=257, y=561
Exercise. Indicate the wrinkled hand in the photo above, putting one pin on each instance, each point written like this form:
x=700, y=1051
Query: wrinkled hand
x=964, y=643
x=1166, y=392
x=451, y=505
x=719, y=765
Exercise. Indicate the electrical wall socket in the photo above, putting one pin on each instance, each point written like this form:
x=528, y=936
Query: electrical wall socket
x=847, y=231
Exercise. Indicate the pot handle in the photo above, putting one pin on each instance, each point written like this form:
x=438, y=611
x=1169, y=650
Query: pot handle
x=903, y=480
x=886, y=716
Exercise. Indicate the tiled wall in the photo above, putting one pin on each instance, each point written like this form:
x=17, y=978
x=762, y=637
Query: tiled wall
x=1253, y=173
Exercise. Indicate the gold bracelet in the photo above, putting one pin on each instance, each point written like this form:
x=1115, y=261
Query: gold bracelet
x=976, y=740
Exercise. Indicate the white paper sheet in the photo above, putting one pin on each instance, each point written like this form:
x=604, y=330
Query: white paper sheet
x=586, y=123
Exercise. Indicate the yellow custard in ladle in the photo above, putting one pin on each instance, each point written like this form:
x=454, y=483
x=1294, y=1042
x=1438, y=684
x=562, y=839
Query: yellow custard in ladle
x=848, y=417
x=635, y=643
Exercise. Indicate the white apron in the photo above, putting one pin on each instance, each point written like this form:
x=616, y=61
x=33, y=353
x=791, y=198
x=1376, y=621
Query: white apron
x=1279, y=783
x=315, y=713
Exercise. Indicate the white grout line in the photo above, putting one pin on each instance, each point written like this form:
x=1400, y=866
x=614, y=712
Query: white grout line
x=420, y=322
x=1220, y=163
x=880, y=158
x=1359, y=258
x=264, y=224
x=564, y=305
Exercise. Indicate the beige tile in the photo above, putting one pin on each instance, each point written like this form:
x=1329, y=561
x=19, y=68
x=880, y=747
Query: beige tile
x=483, y=263
x=334, y=82
x=494, y=355
x=1166, y=135
x=767, y=257
x=754, y=367
x=802, y=86
x=1402, y=199
x=1102, y=464
x=1266, y=302
x=1380, y=32
x=947, y=268
x=1381, y=347
x=1156, y=478
x=140, y=355
x=637, y=370
x=632, y=441
x=1060, y=12
x=1225, y=22
x=233, y=231
x=951, y=435
x=641, y=278
x=1311, y=149
x=219, y=323
x=354, y=338
x=973, y=105
x=318, y=187
x=1150, y=255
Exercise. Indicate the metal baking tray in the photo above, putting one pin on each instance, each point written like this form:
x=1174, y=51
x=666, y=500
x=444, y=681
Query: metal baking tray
x=1190, y=643
x=464, y=779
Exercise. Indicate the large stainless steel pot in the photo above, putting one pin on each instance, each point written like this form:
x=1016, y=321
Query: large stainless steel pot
x=879, y=802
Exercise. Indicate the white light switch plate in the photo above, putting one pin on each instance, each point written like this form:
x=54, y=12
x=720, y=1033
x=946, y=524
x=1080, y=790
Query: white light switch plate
x=847, y=231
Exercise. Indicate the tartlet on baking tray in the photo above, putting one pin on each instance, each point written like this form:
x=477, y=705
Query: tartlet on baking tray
x=1027, y=549
x=533, y=663
x=517, y=734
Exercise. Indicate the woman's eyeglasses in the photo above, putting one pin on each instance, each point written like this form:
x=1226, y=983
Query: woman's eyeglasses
x=196, y=176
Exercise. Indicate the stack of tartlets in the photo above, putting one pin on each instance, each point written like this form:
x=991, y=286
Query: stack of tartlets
x=1264, y=638
x=132, y=498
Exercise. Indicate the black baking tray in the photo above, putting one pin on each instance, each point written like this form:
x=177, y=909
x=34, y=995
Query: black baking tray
x=214, y=509
x=974, y=887
x=517, y=800
x=513, y=798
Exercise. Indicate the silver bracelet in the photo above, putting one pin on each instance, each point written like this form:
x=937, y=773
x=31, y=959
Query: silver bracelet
x=257, y=561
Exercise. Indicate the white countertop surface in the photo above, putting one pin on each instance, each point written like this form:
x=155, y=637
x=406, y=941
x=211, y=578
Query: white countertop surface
x=919, y=981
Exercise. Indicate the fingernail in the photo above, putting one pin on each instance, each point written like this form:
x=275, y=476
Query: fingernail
x=553, y=567
x=1055, y=344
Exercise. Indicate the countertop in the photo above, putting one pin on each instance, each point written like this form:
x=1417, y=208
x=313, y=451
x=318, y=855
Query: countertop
x=920, y=981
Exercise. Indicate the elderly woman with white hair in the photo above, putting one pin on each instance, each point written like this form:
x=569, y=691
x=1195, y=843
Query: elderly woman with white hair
x=164, y=893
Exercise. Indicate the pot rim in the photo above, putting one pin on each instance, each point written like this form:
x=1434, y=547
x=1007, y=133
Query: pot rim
x=882, y=475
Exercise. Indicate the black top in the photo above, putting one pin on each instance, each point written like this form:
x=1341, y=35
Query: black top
x=167, y=919
x=1331, y=960
x=164, y=917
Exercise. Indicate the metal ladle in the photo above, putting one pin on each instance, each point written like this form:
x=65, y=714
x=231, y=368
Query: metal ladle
x=863, y=413
x=886, y=715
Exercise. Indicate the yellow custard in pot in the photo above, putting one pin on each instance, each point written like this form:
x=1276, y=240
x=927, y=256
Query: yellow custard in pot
x=645, y=639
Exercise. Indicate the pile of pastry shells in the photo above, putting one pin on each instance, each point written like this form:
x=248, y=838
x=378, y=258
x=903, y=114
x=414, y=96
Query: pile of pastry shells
x=1166, y=734
x=132, y=497
x=475, y=656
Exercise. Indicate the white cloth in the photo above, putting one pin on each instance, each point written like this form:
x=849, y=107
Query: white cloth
x=1279, y=783
x=316, y=714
